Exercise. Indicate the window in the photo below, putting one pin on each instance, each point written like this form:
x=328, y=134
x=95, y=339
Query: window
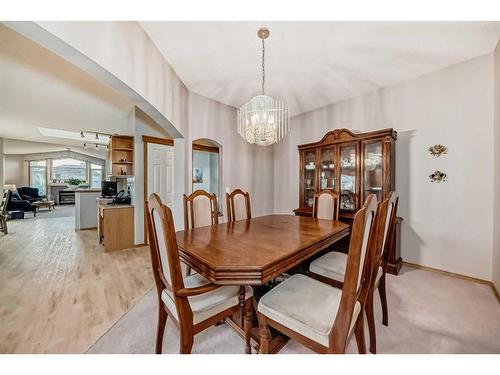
x=95, y=176
x=38, y=175
x=64, y=169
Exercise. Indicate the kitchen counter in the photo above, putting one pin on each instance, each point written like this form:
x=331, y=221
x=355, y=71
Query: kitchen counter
x=85, y=208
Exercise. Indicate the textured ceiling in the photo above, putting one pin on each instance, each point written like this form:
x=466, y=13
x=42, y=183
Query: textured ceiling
x=40, y=89
x=313, y=64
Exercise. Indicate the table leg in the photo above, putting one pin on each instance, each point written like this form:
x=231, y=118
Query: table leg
x=241, y=298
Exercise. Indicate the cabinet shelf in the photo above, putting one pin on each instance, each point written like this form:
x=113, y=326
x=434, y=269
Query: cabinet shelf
x=121, y=148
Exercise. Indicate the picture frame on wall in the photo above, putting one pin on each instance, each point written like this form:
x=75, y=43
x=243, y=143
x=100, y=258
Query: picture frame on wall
x=197, y=175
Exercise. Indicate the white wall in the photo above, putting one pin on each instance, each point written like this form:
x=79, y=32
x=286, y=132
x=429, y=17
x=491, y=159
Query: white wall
x=449, y=225
x=14, y=170
x=244, y=166
x=496, y=174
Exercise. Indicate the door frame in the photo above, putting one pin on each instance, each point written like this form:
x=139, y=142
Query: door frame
x=160, y=141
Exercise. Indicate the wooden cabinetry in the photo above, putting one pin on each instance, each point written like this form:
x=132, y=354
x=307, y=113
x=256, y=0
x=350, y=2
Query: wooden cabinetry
x=115, y=225
x=121, y=156
x=352, y=165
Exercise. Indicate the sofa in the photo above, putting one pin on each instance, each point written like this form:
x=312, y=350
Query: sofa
x=30, y=194
x=16, y=203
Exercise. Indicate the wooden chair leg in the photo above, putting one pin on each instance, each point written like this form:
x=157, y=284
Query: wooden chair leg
x=370, y=318
x=186, y=343
x=248, y=325
x=265, y=335
x=383, y=300
x=359, y=332
x=241, y=301
x=160, y=330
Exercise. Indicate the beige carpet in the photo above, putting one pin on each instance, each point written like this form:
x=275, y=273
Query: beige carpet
x=428, y=313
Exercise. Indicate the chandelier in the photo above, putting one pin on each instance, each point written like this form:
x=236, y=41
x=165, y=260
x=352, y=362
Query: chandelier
x=263, y=120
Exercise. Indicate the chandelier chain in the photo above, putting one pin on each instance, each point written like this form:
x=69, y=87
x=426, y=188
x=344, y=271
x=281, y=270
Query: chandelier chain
x=263, y=66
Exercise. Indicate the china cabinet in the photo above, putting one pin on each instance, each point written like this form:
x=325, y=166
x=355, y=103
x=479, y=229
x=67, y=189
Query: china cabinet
x=352, y=165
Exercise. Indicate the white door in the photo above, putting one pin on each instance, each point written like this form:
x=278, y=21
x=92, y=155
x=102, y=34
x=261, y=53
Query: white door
x=161, y=172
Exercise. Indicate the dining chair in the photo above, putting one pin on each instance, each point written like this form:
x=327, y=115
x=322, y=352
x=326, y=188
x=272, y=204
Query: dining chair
x=238, y=205
x=326, y=205
x=330, y=268
x=200, y=210
x=389, y=214
x=193, y=303
x=316, y=314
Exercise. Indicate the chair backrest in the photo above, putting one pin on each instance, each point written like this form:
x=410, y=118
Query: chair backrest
x=163, y=245
x=390, y=225
x=358, y=270
x=238, y=206
x=5, y=200
x=200, y=209
x=29, y=191
x=326, y=205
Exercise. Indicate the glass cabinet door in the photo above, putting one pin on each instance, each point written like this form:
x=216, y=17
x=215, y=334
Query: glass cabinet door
x=372, y=179
x=327, y=168
x=348, y=178
x=309, y=177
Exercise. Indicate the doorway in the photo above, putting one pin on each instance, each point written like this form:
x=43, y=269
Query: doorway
x=158, y=172
x=206, y=172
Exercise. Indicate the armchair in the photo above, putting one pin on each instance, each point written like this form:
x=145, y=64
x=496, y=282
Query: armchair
x=15, y=203
x=30, y=194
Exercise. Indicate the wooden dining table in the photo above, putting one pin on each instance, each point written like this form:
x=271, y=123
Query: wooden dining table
x=256, y=251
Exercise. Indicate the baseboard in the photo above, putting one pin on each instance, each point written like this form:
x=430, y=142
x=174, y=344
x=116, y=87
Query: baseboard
x=140, y=244
x=456, y=275
x=495, y=290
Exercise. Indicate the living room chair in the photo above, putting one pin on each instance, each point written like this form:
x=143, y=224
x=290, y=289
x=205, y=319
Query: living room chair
x=193, y=303
x=16, y=203
x=3, y=212
x=238, y=205
x=319, y=316
x=30, y=194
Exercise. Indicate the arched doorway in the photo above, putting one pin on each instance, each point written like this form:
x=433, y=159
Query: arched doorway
x=206, y=167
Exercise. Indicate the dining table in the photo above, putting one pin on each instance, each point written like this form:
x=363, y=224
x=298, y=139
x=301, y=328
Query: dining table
x=255, y=252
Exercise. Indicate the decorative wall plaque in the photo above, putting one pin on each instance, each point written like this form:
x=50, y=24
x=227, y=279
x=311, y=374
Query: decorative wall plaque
x=438, y=176
x=438, y=150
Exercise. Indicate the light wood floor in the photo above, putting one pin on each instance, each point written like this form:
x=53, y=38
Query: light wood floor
x=59, y=291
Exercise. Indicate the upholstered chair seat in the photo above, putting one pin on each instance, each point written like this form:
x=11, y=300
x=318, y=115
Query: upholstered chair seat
x=306, y=306
x=208, y=304
x=332, y=265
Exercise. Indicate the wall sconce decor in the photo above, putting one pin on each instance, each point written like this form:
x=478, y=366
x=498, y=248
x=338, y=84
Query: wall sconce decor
x=438, y=176
x=438, y=150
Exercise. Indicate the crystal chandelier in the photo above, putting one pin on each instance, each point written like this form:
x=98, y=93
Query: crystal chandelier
x=263, y=120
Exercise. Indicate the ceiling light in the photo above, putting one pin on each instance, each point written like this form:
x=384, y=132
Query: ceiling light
x=82, y=135
x=263, y=120
x=97, y=136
